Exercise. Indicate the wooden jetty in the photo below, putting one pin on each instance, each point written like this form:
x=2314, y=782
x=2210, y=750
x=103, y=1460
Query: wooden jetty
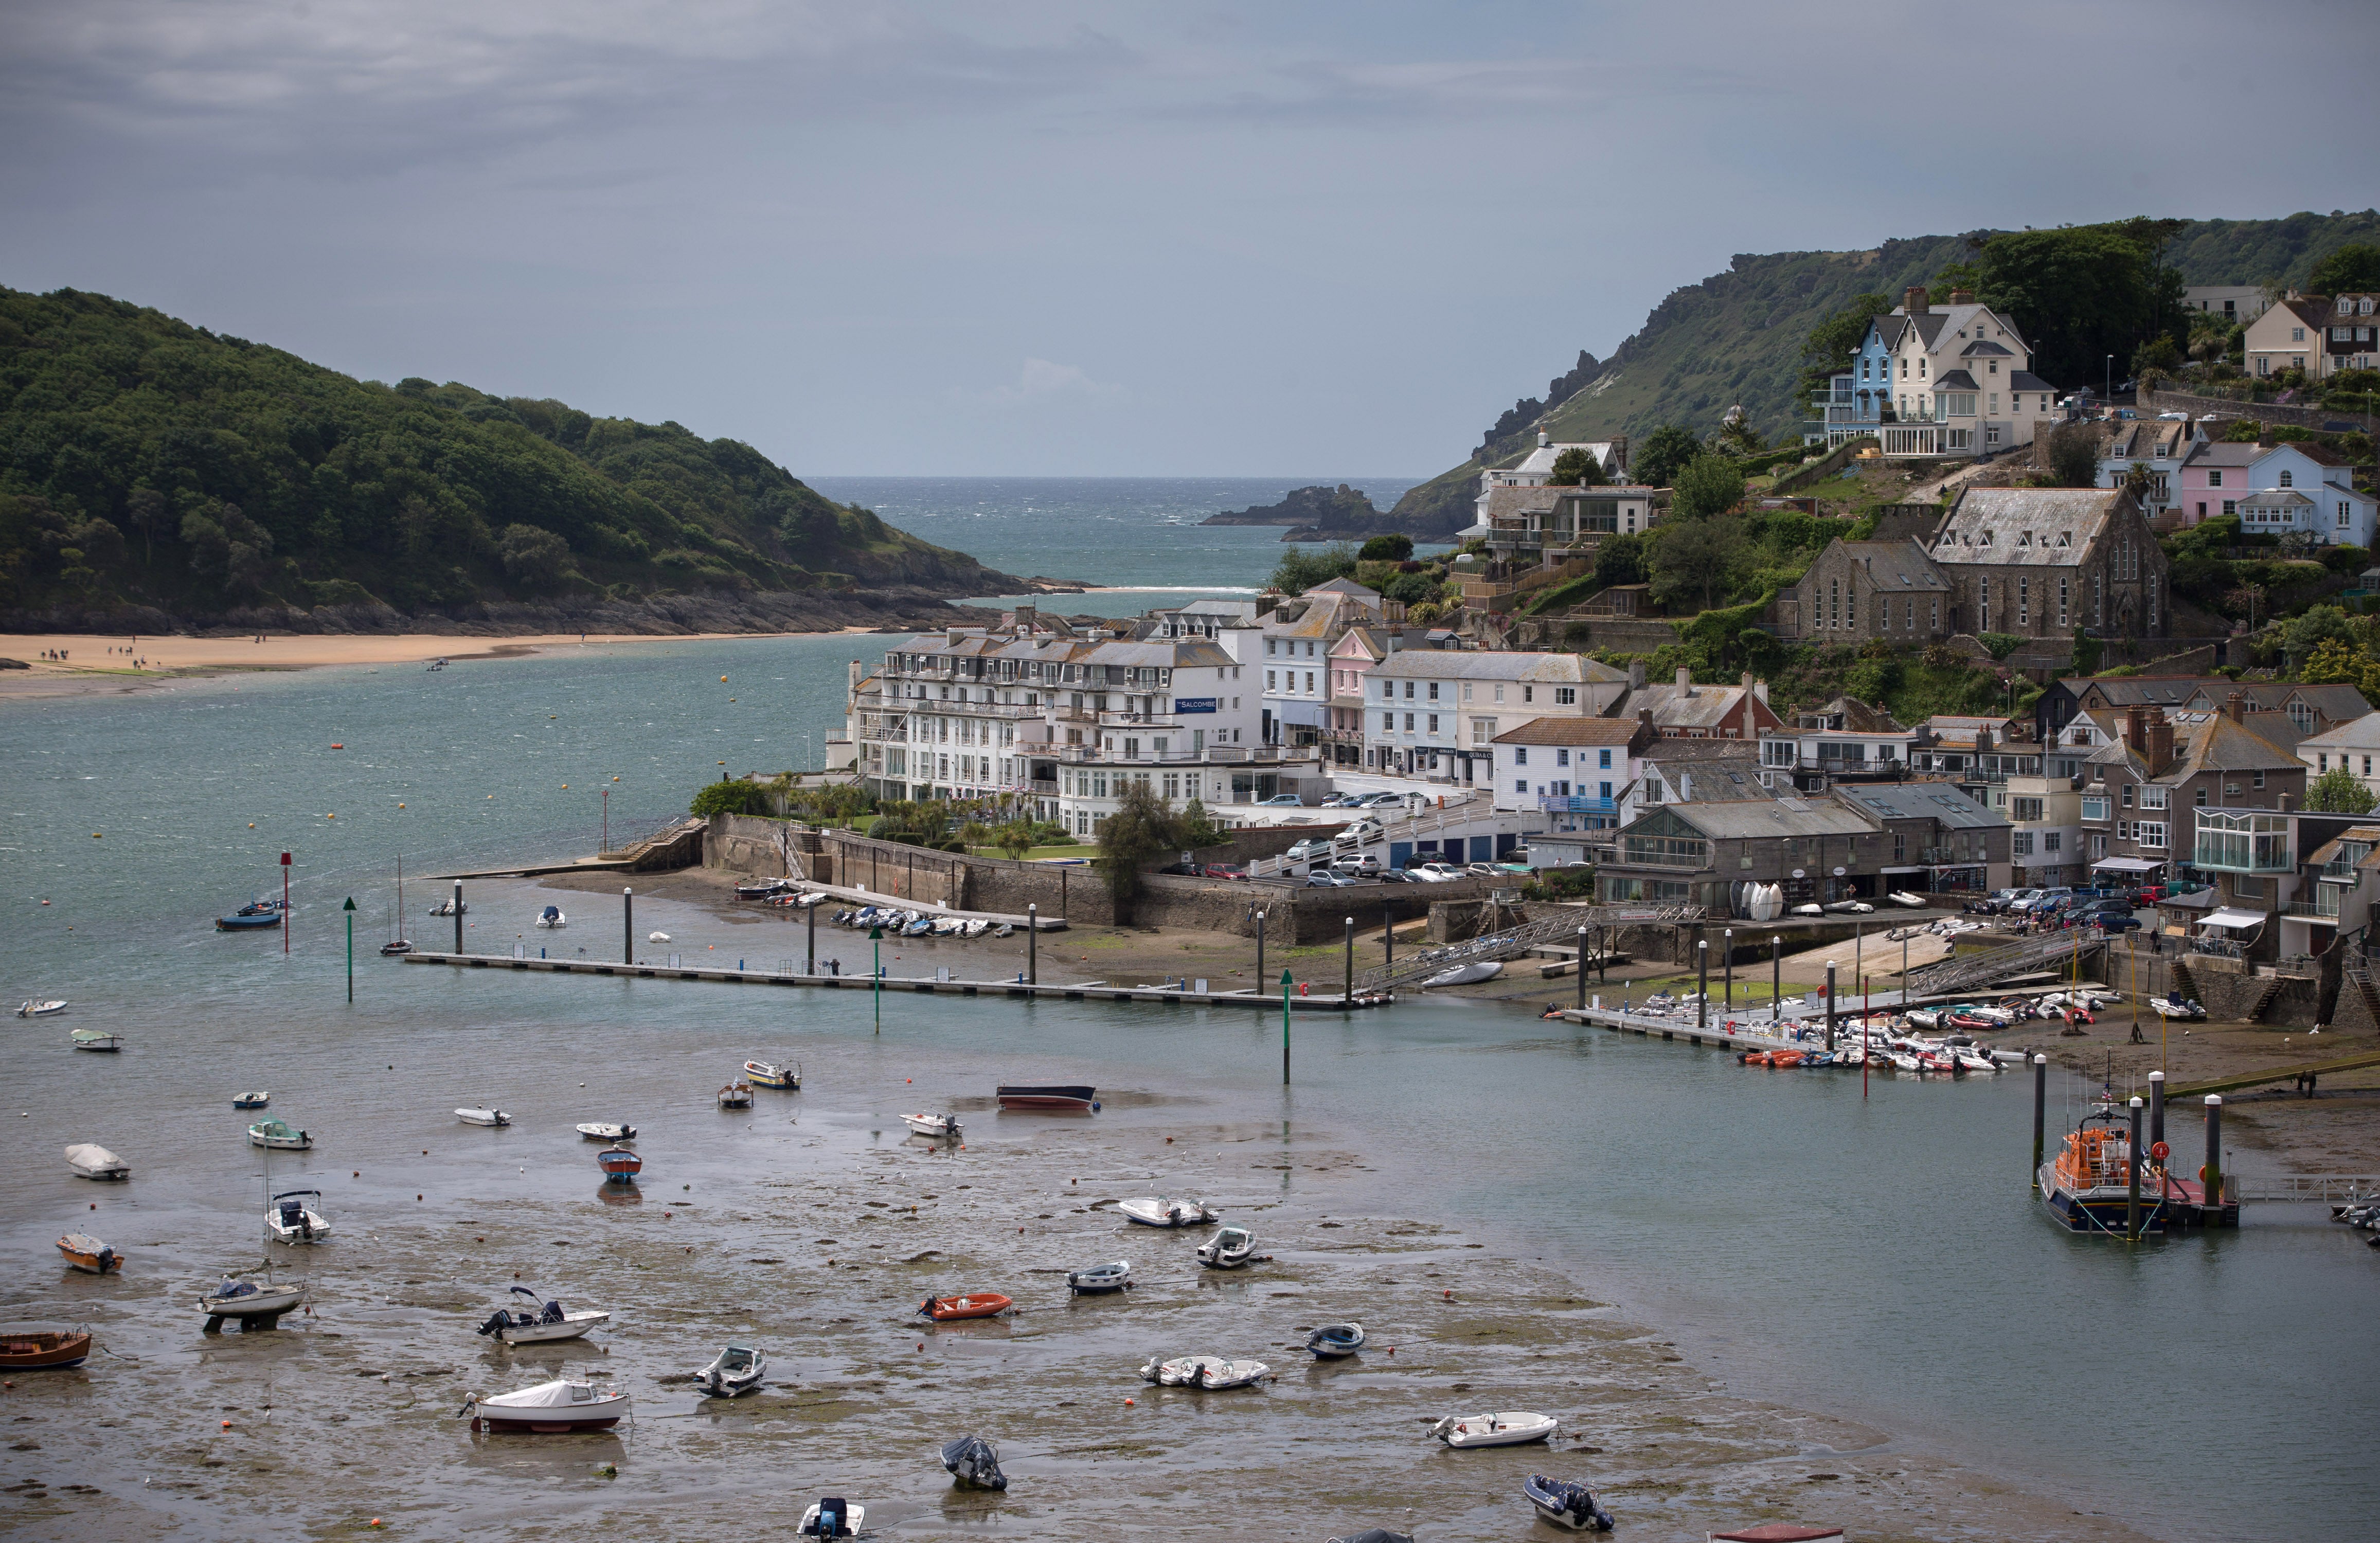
x=2274, y=1074
x=1077, y=991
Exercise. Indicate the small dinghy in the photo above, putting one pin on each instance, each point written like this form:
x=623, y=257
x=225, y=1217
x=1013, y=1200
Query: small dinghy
x=551, y=917
x=1213, y=1372
x=918, y=928
x=657, y=936
x=942, y=1127
x=758, y=889
x=1777, y=1532
x=96, y=1040
x=97, y=1163
x=2175, y=1006
x=1334, y=1340
x=1466, y=975
x=1566, y=1505
x=1513, y=1428
x=1850, y=908
x=1375, y=1534
x=946, y=926
x=768, y=1073
x=483, y=1117
x=89, y=1254
x=395, y=946
x=735, y=1095
x=608, y=1130
x=1005, y=929
x=257, y=1100
x=1163, y=1210
x=1070, y=1099
x=451, y=908
x=291, y=1219
x=1229, y=1249
x=36, y=1347
x=619, y=1164
x=1905, y=897
x=40, y=1009
x=279, y=1135
x=548, y=1321
x=247, y=917
x=246, y=1300
x=550, y=1408
x=1813, y=909
x=975, y=1462
x=1097, y=1279
x=833, y=1517
x=735, y=1370
x=952, y=1309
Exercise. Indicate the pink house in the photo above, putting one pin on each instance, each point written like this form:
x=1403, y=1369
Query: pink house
x=1352, y=659
x=2215, y=478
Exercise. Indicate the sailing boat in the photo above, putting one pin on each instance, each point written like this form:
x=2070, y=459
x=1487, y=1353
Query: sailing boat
x=395, y=943
x=256, y=1306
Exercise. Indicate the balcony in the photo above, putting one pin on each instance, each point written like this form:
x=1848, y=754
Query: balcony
x=1665, y=850
x=2242, y=842
x=1552, y=803
x=2311, y=910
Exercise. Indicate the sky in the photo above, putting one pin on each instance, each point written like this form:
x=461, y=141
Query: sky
x=1062, y=238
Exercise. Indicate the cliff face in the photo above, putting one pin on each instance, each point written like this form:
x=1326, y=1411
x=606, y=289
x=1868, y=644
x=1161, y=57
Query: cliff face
x=1736, y=338
x=151, y=470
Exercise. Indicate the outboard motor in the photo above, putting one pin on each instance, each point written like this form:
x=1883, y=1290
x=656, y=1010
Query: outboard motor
x=498, y=1321
x=833, y=1517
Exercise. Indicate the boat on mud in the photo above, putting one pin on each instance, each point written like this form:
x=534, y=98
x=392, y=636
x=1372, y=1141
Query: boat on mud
x=1512, y=1429
x=1163, y=1210
x=540, y=1322
x=1063, y=1097
x=954, y=1309
x=550, y=1408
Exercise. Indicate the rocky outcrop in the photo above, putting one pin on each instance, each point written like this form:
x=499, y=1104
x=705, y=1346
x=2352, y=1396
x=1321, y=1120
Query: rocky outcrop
x=1328, y=513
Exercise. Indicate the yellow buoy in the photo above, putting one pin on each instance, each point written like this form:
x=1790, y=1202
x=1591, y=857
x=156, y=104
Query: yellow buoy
x=723, y=680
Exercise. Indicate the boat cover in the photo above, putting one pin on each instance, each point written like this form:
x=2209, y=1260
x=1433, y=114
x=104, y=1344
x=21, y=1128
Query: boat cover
x=546, y=1395
x=88, y=1155
x=972, y=1460
x=234, y=1288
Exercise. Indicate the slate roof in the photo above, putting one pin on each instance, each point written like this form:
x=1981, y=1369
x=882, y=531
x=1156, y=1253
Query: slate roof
x=1941, y=801
x=2026, y=527
x=2225, y=453
x=1682, y=752
x=2268, y=498
x=1559, y=669
x=1672, y=709
x=2144, y=439
x=1858, y=718
x=2025, y=380
x=1955, y=379
x=1750, y=818
x=1897, y=566
x=2220, y=744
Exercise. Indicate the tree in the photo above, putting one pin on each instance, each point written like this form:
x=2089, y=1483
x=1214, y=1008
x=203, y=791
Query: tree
x=2160, y=353
x=2338, y=791
x=1830, y=348
x=1198, y=828
x=2087, y=650
x=1666, y=449
x=2320, y=624
x=1710, y=484
x=145, y=509
x=2353, y=269
x=1411, y=588
x=534, y=558
x=1696, y=558
x=1142, y=829
x=974, y=834
x=1395, y=547
x=1620, y=560
x=1015, y=838
x=1575, y=468
x=2085, y=292
x=2243, y=430
x=729, y=795
x=1301, y=570
x=2074, y=454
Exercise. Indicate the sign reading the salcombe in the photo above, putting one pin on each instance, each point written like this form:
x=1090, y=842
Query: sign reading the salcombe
x=1194, y=704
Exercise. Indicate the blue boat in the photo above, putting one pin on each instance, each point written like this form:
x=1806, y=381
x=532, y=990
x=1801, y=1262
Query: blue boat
x=257, y=913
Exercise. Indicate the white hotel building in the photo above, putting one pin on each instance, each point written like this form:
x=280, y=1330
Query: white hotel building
x=1435, y=713
x=1032, y=711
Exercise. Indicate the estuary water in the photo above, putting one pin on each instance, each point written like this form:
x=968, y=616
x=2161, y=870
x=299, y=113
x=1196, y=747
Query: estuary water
x=1875, y=1255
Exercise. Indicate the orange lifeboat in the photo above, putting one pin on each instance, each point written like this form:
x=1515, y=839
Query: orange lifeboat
x=1785, y=1058
x=946, y=1309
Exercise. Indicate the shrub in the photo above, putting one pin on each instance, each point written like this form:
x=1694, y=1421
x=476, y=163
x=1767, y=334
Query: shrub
x=729, y=795
x=1393, y=548
x=2001, y=644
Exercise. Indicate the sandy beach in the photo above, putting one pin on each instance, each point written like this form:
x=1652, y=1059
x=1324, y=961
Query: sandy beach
x=115, y=666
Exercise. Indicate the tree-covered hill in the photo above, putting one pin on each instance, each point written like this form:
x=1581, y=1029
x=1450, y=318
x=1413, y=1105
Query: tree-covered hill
x=150, y=466
x=1738, y=338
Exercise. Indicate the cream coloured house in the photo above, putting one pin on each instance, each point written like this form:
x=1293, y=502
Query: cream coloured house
x=1959, y=378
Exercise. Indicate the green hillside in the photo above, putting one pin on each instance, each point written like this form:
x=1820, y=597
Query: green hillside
x=150, y=466
x=1737, y=337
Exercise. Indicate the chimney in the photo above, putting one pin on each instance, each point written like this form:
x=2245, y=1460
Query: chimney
x=1915, y=301
x=2234, y=705
x=1747, y=680
x=950, y=637
x=1644, y=720
x=1760, y=690
x=2135, y=728
x=1543, y=439
x=2284, y=804
x=1636, y=674
x=1685, y=682
x=1963, y=297
x=1026, y=615
x=2159, y=749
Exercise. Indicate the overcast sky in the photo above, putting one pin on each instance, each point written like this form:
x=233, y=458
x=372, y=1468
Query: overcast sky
x=1058, y=238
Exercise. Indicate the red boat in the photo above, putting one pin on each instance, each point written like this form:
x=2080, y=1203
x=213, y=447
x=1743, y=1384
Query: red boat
x=946, y=1309
x=1070, y=1099
x=620, y=1165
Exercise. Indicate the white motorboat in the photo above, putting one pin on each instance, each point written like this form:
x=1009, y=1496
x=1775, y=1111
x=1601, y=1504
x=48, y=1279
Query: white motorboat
x=657, y=936
x=768, y=1073
x=551, y=917
x=451, y=908
x=1229, y=1249
x=1098, y=1279
x=483, y=1116
x=734, y=1371
x=96, y=1040
x=1510, y=1429
x=280, y=1136
x=547, y=1323
x=1974, y=1060
x=1333, y=1340
x=978, y=928
x=833, y=1517
x=942, y=1127
x=1214, y=1372
x=2167, y=1007
x=291, y=1219
x=735, y=1095
x=608, y=1130
x=255, y=1099
x=1165, y=1211
x=1467, y=975
x=1914, y=900
x=245, y=1299
x=40, y=1009
x=550, y=1407
x=97, y=1163
x=1569, y=1506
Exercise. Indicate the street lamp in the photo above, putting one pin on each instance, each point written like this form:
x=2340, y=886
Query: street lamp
x=2107, y=401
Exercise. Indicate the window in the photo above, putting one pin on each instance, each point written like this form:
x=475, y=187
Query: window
x=1433, y=691
x=1604, y=760
x=1387, y=722
x=1270, y=684
x=2288, y=479
x=2152, y=797
x=2128, y=795
x=1521, y=755
x=1409, y=721
x=1387, y=690
x=2021, y=844
x=2023, y=601
x=2149, y=833
x=1561, y=758
x=1520, y=785
x=2230, y=505
x=2062, y=583
x=1433, y=723
x=1567, y=696
x=2025, y=810
x=1409, y=691
x=2052, y=840
x=2214, y=480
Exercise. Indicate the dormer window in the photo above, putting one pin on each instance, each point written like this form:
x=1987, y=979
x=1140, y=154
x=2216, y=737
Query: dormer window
x=2066, y=538
x=2024, y=538
x=2346, y=305
x=1984, y=540
x=2365, y=306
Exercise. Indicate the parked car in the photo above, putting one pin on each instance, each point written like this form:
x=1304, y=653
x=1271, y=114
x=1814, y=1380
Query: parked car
x=1357, y=865
x=1398, y=876
x=1282, y=801
x=1324, y=878
x=1342, y=801
x=2012, y=900
x=1435, y=873
x=1381, y=801
x=1308, y=850
x=1225, y=870
x=1360, y=832
x=1185, y=869
x=2042, y=900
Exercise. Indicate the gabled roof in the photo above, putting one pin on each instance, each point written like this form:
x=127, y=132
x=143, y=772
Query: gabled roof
x=2279, y=498
x=1955, y=379
x=1750, y=818
x=1984, y=349
x=1857, y=717
x=1682, y=752
x=1559, y=669
x=2035, y=527
x=1347, y=587
x=1674, y=709
x=1711, y=779
x=2352, y=733
x=2220, y=744
x=2144, y=439
x=2025, y=380
x=2225, y=453
x=1897, y=566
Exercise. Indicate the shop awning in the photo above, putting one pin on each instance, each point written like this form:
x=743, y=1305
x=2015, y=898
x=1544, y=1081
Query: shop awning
x=2126, y=865
x=2227, y=917
x=1915, y=867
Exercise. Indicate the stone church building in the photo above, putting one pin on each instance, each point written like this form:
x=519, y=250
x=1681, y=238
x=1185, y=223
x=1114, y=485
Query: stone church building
x=2034, y=561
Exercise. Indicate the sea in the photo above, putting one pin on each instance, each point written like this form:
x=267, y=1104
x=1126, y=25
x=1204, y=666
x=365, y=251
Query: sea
x=1865, y=1248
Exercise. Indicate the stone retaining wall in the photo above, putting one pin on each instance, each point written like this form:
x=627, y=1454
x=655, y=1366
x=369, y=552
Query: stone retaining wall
x=2155, y=402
